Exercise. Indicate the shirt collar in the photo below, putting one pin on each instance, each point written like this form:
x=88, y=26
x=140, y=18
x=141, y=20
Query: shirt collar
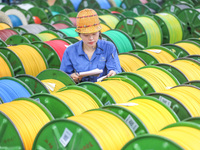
x=99, y=50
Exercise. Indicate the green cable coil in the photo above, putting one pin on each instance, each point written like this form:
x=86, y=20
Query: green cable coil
x=171, y=27
x=70, y=32
x=121, y=40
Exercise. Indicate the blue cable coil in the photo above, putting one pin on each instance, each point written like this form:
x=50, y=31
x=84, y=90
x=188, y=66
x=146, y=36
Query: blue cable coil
x=76, y=4
x=10, y=90
x=104, y=4
x=15, y=20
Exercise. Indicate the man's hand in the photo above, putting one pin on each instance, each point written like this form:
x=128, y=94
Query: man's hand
x=111, y=73
x=76, y=77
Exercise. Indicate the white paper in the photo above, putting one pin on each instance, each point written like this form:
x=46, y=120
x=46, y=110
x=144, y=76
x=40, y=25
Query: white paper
x=50, y=86
x=155, y=51
x=131, y=123
x=100, y=79
x=94, y=72
x=127, y=104
x=66, y=137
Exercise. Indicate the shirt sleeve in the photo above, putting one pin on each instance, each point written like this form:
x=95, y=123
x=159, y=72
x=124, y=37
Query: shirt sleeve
x=66, y=64
x=113, y=62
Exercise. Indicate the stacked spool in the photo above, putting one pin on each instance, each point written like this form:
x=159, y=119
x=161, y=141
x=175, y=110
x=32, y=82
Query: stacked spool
x=6, y=33
x=6, y=68
x=17, y=126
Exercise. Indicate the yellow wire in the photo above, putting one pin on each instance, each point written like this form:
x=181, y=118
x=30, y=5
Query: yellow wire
x=53, y=85
x=120, y=90
x=152, y=114
x=110, y=20
x=110, y=131
x=78, y=37
x=104, y=28
x=152, y=30
x=190, y=69
x=77, y=100
x=161, y=56
x=157, y=78
x=130, y=63
x=46, y=36
x=188, y=96
x=186, y=137
x=4, y=26
x=190, y=48
x=5, y=70
x=31, y=59
x=174, y=27
x=27, y=117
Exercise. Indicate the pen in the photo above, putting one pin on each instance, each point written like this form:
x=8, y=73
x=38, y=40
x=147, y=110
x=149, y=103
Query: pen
x=76, y=74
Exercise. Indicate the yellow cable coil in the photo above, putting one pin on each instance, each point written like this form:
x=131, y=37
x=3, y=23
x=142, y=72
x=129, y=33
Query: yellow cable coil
x=4, y=26
x=186, y=137
x=152, y=114
x=160, y=55
x=5, y=70
x=130, y=63
x=31, y=59
x=120, y=90
x=188, y=96
x=174, y=27
x=190, y=48
x=53, y=85
x=77, y=100
x=189, y=68
x=28, y=119
x=104, y=28
x=110, y=20
x=157, y=78
x=46, y=36
x=152, y=29
x=110, y=131
x=78, y=37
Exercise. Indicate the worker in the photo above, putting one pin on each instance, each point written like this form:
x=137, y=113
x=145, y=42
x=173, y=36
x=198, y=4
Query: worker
x=91, y=52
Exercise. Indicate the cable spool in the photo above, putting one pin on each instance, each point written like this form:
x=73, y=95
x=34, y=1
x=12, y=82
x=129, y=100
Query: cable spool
x=40, y=13
x=26, y=6
x=154, y=7
x=31, y=58
x=121, y=89
x=6, y=68
x=142, y=9
x=130, y=62
x=55, y=79
x=4, y=26
x=189, y=67
x=60, y=17
x=57, y=9
x=31, y=28
x=162, y=55
x=142, y=30
x=6, y=33
x=12, y=88
x=73, y=20
x=17, y=17
x=127, y=4
x=121, y=40
x=105, y=121
x=141, y=114
x=5, y=19
x=118, y=2
x=171, y=27
x=76, y=4
x=191, y=23
x=110, y=20
x=16, y=40
x=129, y=14
x=46, y=36
x=191, y=47
x=25, y=118
x=175, y=9
x=105, y=27
x=33, y=83
x=59, y=26
x=177, y=136
x=70, y=32
x=78, y=99
x=88, y=4
x=104, y=4
x=37, y=20
x=59, y=46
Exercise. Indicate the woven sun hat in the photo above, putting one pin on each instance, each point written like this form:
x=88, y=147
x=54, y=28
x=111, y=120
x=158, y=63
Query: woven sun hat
x=87, y=21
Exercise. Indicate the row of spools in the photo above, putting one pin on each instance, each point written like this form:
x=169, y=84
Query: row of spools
x=92, y=121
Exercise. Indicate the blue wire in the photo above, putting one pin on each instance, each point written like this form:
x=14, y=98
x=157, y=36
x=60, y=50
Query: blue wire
x=15, y=20
x=10, y=90
x=76, y=3
x=104, y=4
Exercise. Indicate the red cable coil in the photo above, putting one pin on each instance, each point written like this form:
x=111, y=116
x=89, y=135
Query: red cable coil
x=6, y=33
x=59, y=26
x=73, y=20
x=59, y=46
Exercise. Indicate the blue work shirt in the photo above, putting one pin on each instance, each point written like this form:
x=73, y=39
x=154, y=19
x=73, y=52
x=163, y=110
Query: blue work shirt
x=104, y=57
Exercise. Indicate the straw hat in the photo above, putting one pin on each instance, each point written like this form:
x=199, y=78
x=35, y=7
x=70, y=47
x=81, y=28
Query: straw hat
x=87, y=21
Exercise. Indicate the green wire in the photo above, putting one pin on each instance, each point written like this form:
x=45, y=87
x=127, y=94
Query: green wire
x=70, y=32
x=153, y=32
x=174, y=27
x=121, y=40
